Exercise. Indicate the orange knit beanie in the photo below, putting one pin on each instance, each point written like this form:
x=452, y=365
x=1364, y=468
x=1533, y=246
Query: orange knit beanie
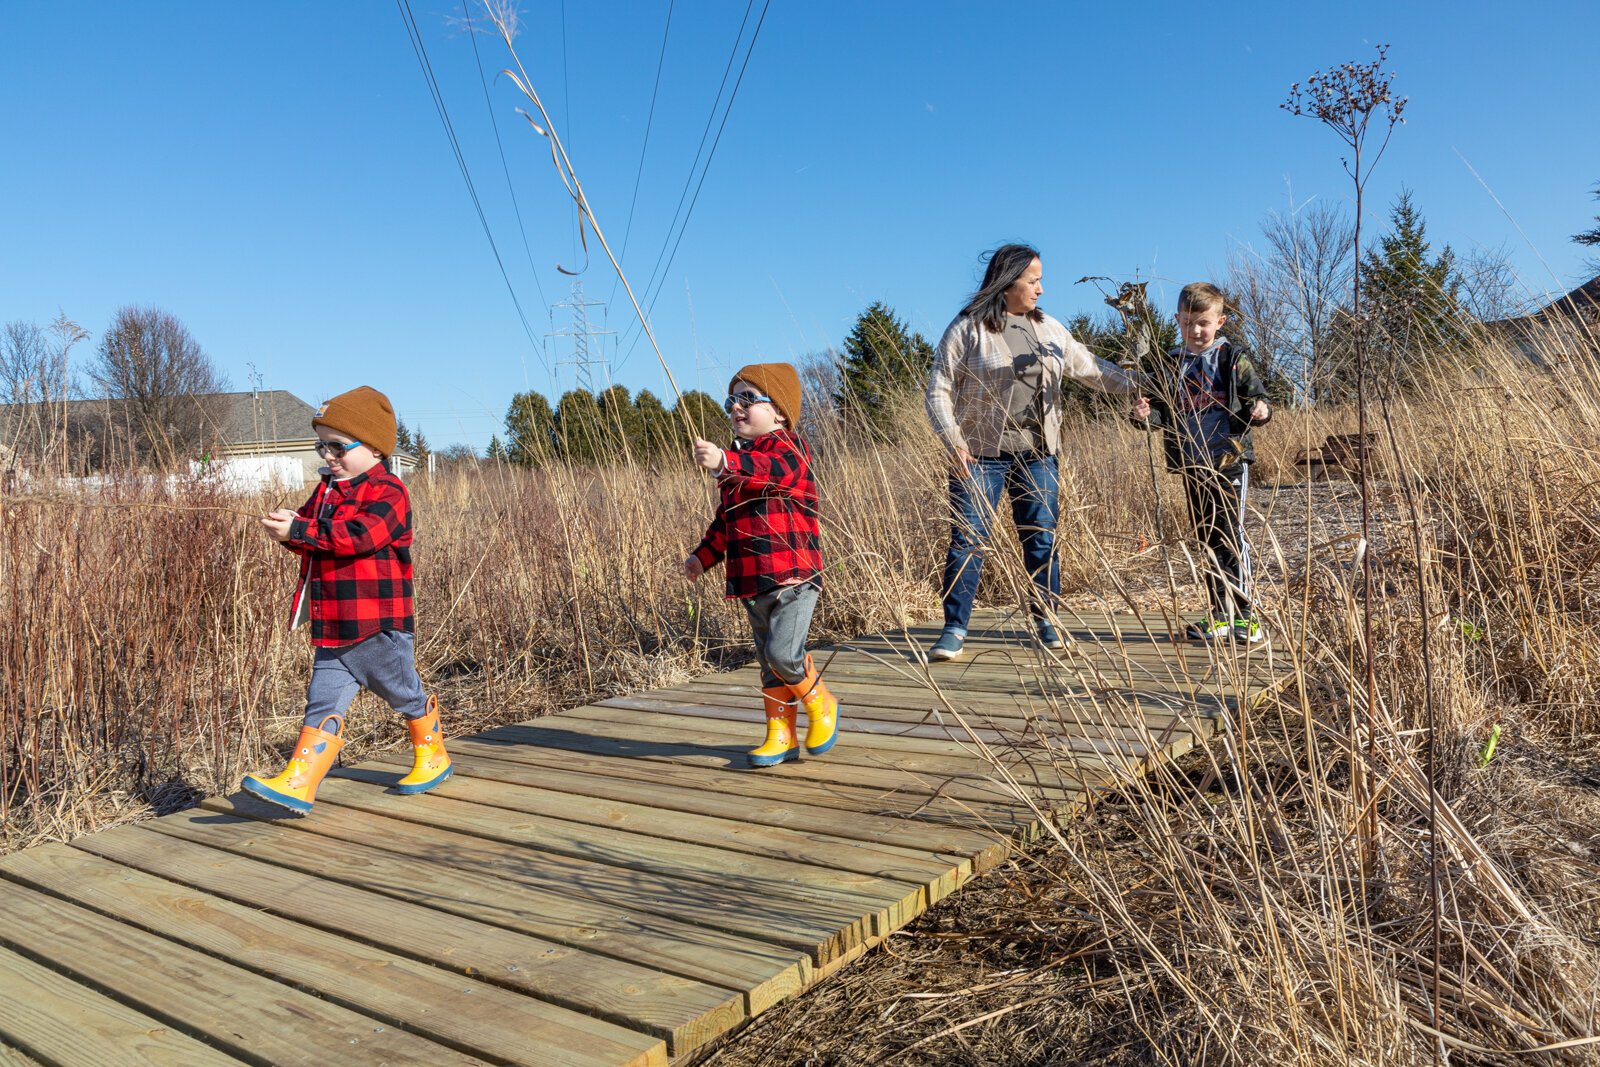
x=780, y=382
x=362, y=413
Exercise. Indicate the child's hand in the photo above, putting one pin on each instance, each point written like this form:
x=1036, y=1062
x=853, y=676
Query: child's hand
x=277, y=524
x=1141, y=408
x=963, y=460
x=708, y=455
x=1259, y=412
x=692, y=568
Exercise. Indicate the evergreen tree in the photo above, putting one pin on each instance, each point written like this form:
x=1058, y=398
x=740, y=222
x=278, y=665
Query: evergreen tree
x=1590, y=238
x=497, y=452
x=1414, y=296
x=659, y=432
x=882, y=360
x=622, y=428
x=530, y=431
x=705, y=416
x=580, y=427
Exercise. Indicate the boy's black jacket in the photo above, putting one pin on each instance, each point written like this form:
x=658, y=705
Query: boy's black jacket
x=1245, y=387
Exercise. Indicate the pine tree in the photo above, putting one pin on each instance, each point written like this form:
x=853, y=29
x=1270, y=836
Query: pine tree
x=622, y=428
x=580, y=428
x=496, y=452
x=883, y=360
x=659, y=432
x=1590, y=238
x=530, y=431
x=1414, y=297
x=705, y=416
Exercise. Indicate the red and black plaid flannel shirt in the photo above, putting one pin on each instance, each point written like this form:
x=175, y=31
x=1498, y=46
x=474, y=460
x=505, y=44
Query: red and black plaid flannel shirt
x=766, y=522
x=354, y=542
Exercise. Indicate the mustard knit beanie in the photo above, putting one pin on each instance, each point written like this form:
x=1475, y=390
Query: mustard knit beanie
x=780, y=382
x=364, y=414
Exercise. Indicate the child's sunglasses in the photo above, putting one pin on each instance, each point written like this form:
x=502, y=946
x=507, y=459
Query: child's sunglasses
x=744, y=400
x=333, y=449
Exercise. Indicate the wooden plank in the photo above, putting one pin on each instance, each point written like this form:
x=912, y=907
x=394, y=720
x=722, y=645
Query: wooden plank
x=683, y=1012
x=610, y=739
x=668, y=924
x=10, y=1057
x=969, y=682
x=826, y=893
x=583, y=777
x=1052, y=774
x=936, y=875
x=866, y=759
x=247, y=1016
x=992, y=726
x=1085, y=740
x=1009, y=702
x=468, y=1015
x=52, y=1017
x=695, y=774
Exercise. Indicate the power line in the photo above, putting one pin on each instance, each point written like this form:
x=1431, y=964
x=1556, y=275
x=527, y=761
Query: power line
x=505, y=167
x=711, y=117
x=661, y=280
x=412, y=31
x=649, y=122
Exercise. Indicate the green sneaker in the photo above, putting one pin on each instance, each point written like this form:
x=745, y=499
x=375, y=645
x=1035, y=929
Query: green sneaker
x=1248, y=631
x=1207, y=630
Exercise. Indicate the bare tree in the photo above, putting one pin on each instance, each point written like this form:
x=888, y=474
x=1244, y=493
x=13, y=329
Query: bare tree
x=1289, y=292
x=36, y=383
x=1489, y=287
x=1313, y=252
x=150, y=362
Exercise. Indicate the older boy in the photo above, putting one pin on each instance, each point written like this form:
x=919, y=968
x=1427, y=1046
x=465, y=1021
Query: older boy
x=1208, y=396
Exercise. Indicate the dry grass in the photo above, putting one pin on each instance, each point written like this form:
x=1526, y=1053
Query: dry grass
x=1271, y=899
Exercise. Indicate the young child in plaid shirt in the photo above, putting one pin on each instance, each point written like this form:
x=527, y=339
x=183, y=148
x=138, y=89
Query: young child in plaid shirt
x=765, y=529
x=353, y=538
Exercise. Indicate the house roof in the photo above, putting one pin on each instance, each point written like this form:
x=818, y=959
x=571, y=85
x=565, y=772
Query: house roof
x=265, y=415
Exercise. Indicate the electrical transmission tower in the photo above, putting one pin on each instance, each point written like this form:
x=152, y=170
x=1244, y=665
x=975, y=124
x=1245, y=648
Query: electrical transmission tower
x=583, y=361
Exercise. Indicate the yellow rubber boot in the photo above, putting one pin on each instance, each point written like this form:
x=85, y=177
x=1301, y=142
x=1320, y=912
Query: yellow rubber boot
x=822, y=711
x=296, y=787
x=430, y=762
x=781, y=743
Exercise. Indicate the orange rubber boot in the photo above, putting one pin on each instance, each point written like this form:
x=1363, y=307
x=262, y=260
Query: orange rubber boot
x=430, y=762
x=822, y=711
x=781, y=744
x=296, y=787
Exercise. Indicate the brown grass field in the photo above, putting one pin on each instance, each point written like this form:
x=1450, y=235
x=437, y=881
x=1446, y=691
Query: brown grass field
x=1290, y=897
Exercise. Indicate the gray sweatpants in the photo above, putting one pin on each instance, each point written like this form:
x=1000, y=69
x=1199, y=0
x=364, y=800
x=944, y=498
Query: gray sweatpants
x=779, y=622
x=385, y=663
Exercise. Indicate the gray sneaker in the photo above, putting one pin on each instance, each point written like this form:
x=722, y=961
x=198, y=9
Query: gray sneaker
x=948, y=646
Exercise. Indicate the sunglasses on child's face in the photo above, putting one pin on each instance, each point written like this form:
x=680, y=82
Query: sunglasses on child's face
x=335, y=450
x=744, y=400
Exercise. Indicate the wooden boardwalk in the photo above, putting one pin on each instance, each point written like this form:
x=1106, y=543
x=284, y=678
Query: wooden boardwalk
x=606, y=886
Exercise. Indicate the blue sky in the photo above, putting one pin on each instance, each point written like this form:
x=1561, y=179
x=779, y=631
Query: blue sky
x=277, y=177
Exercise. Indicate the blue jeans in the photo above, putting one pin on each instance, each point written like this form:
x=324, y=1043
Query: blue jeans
x=1033, y=482
x=384, y=663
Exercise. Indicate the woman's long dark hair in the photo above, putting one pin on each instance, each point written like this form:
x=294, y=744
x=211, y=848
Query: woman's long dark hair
x=1005, y=265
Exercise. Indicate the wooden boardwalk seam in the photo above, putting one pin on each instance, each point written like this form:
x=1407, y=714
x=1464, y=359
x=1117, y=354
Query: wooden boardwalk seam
x=608, y=886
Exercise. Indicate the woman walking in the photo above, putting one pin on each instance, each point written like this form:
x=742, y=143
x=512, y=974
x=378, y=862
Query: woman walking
x=994, y=398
